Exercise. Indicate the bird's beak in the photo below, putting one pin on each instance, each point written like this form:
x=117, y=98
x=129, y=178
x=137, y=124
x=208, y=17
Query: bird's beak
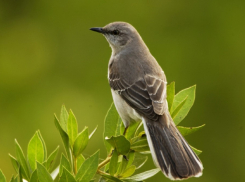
x=97, y=29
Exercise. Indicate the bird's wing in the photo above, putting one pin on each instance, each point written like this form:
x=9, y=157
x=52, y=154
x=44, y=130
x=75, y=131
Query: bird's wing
x=157, y=90
x=146, y=95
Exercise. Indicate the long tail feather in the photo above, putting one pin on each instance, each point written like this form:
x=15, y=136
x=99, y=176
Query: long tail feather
x=170, y=151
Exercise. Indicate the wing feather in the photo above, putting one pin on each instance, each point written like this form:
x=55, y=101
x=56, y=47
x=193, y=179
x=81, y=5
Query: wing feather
x=156, y=88
x=147, y=95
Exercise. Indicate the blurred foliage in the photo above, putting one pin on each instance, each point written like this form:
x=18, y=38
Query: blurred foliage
x=48, y=57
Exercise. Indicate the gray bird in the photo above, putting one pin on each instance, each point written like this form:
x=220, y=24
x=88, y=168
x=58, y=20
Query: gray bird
x=138, y=86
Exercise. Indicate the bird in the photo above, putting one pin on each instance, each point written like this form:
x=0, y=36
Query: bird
x=139, y=90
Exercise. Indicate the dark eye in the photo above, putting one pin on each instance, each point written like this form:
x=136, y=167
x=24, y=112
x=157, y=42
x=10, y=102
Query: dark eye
x=115, y=32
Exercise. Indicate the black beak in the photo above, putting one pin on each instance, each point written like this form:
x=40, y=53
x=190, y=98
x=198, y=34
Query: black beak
x=97, y=29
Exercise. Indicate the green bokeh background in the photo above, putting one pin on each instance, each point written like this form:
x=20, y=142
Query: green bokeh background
x=48, y=57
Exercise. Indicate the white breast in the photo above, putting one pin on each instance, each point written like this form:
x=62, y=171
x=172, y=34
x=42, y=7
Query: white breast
x=126, y=112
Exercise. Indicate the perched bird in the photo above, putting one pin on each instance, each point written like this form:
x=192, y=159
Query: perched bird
x=138, y=86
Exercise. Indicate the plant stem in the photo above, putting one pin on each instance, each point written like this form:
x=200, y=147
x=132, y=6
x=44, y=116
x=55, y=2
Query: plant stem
x=103, y=163
x=101, y=172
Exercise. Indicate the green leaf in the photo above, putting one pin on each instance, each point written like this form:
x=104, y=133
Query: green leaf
x=45, y=164
x=140, y=145
x=16, y=166
x=63, y=118
x=112, y=126
x=131, y=130
x=135, y=139
x=34, y=177
x=178, y=108
x=64, y=163
x=179, y=97
x=51, y=159
x=67, y=176
x=43, y=174
x=20, y=174
x=113, y=163
x=35, y=151
x=64, y=137
x=131, y=157
x=72, y=128
x=128, y=172
x=122, y=128
x=110, y=178
x=139, y=129
x=16, y=179
x=189, y=130
x=81, y=142
x=139, y=160
x=198, y=152
x=80, y=160
x=21, y=160
x=106, y=168
x=13, y=179
x=44, y=145
x=2, y=177
x=142, y=176
x=91, y=134
x=120, y=143
x=170, y=94
x=88, y=169
x=15, y=163
x=122, y=166
x=145, y=152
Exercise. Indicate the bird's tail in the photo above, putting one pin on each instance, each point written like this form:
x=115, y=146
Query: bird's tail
x=169, y=149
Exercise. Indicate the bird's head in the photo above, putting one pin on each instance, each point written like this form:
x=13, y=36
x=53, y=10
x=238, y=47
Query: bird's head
x=119, y=35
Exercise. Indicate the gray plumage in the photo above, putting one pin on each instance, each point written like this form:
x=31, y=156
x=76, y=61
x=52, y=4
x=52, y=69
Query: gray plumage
x=138, y=87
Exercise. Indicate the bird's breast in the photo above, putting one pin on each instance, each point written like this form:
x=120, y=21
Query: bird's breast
x=126, y=112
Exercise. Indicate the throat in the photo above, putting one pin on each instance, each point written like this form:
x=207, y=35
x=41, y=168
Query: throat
x=116, y=49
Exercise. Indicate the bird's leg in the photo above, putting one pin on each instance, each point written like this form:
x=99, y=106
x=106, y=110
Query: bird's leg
x=125, y=130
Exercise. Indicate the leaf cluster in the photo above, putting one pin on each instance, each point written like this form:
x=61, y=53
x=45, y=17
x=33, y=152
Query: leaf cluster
x=127, y=149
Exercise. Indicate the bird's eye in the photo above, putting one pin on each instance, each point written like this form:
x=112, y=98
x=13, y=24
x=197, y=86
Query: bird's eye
x=115, y=32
